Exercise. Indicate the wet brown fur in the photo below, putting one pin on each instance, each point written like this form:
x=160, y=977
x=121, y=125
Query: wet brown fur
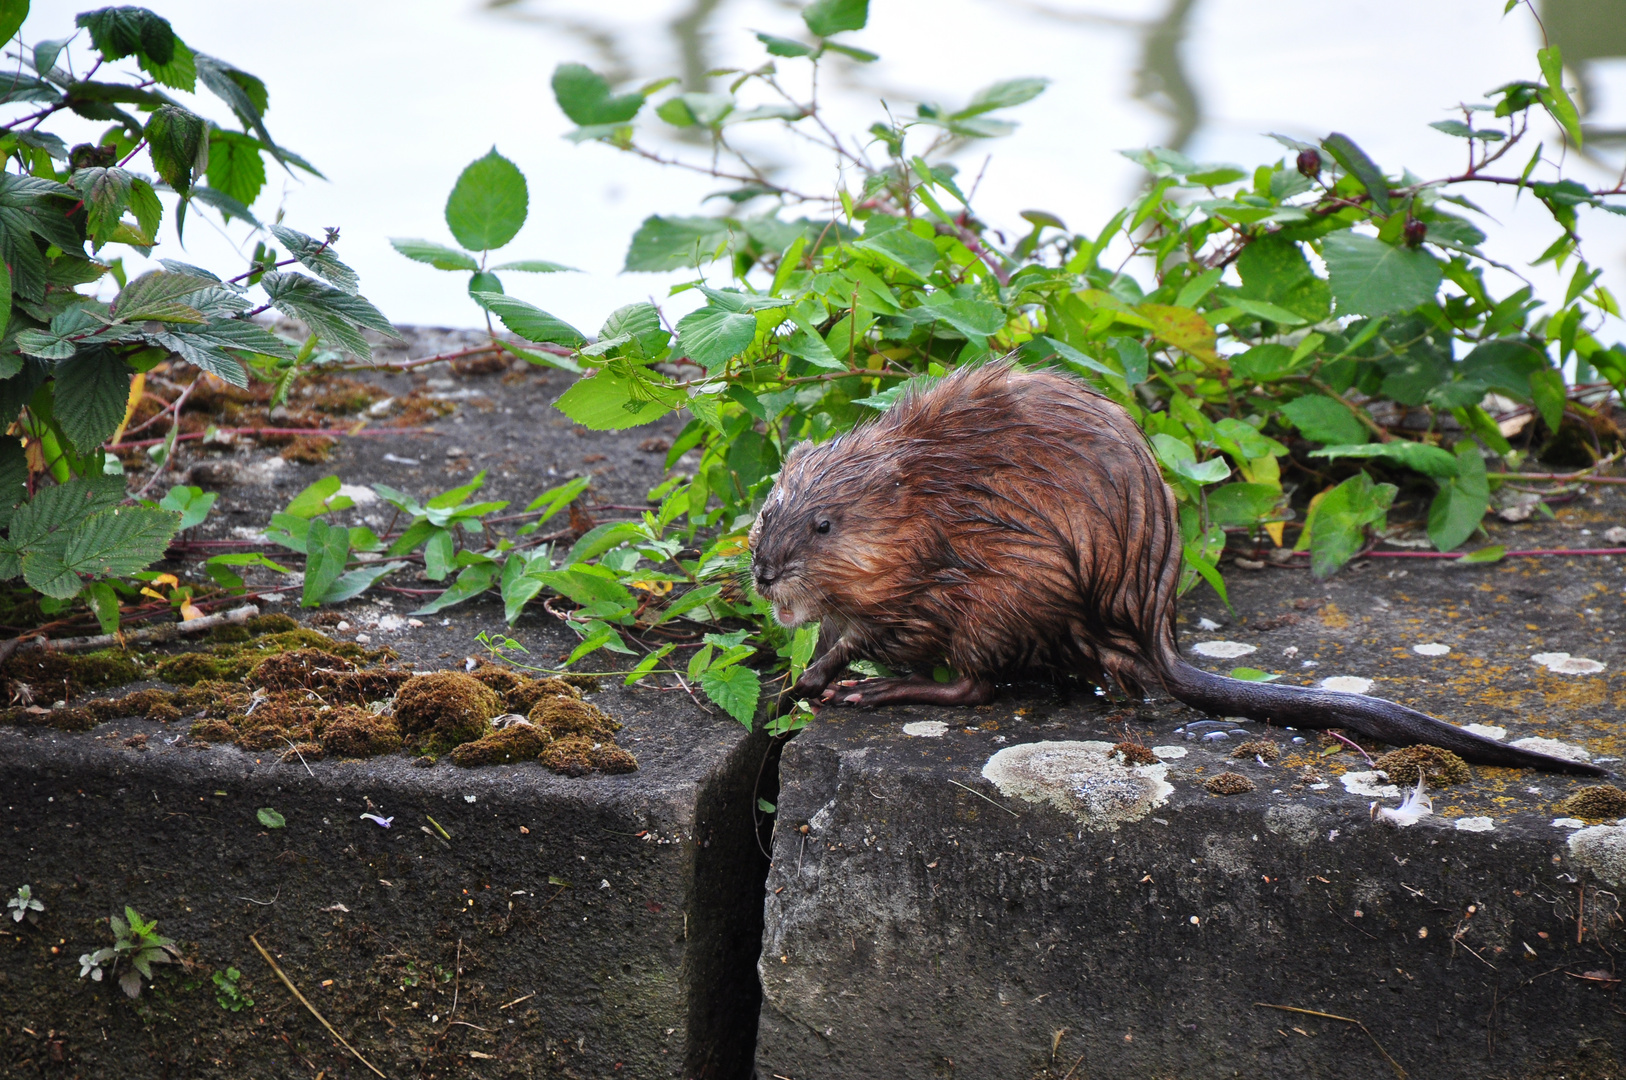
x=1002, y=521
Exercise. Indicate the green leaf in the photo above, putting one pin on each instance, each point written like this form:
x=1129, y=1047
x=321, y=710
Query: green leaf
x=437, y=255
x=1002, y=95
x=1556, y=99
x=530, y=322
x=12, y=14
x=488, y=203
x=471, y=582
x=92, y=391
x=330, y=313
x=352, y=583
x=973, y=318
x=176, y=144
x=1361, y=167
x=155, y=293
x=712, y=336
x=218, y=567
x=270, y=818
x=1488, y=554
x=585, y=588
x=826, y=17
x=1179, y=458
x=118, y=32
x=1428, y=460
x=318, y=498
x=1547, y=390
x=1324, y=420
x=736, y=689
x=318, y=258
x=1337, y=524
x=103, y=601
x=584, y=96
x=1242, y=504
x=247, y=97
x=902, y=249
x=610, y=401
x=1462, y=501
x=1249, y=674
x=641, y=323
x=106, y=193
x=1369, y=277
x=109, y=543
x=190, y=502
x=439, y=554
x=1463, y=131
x=778, y=46
x=536, y=266
x=673, y=243
x=326, y=549
x=236, y=168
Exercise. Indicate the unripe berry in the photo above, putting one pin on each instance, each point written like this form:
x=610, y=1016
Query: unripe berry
x=1415, y=231
x=1310, y=162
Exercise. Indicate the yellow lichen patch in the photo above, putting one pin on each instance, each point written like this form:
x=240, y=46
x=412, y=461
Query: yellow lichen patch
x=1332, y=618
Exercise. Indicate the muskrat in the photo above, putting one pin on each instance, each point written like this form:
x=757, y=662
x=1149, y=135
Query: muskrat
x=1001, y=521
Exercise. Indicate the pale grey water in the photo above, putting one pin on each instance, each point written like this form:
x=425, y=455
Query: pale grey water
x=391, y=100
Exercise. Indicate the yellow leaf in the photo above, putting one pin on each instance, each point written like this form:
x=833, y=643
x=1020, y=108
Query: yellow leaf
x=138, y=386
x=166, y=579
x=659, y=588
x=154, y=594
x=1183, y=328
x=733, y=545
x=1274, y=530
x=189, y=612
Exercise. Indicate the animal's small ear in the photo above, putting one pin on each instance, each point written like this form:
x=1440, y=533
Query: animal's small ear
x=795, y=452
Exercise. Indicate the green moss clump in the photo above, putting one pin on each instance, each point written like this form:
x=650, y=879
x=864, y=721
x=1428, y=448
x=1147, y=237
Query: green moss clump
x=305, y=751
x=499, y=678
x=517, y=742
x=612, y=759
x=1229, y=783
x=271, y=623
x=214, y=697
x=1437, y=767
x=71, y=719
x=356, y=733
x=212, y=730
x=572, y=755
x=567, y=716
x=297, y=669
x=1603, y=802
x=230, y=633
x=524, y=697
x=188, y=669
x=53, y=676
x=438, y=711
x=587, y=684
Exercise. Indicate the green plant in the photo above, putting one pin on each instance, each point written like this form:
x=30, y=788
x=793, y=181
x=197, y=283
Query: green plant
x=69, y=361
x=228, y=993
x=24, y=906
x=136, y=942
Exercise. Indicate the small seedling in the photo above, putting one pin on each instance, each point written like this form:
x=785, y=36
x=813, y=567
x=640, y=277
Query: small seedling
x=24, y=906
x=227, y=993
x=135, y=941
x=270, y=818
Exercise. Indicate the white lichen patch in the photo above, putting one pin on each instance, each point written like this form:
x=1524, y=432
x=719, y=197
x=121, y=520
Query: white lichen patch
x=1475, y=824
x=1207, y=624
x=1347, y=684
x=1568, y=823
x=1373, y=785
x=1223, y=650
x=1602, y=849
x=1078, y=778
x=1552, y=748
x=1431, y=648
x=926, y=729
x=1169, y=753
x=1565, y=664
x=1489, y=731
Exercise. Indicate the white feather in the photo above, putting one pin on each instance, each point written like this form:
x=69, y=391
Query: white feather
x=1413, y=808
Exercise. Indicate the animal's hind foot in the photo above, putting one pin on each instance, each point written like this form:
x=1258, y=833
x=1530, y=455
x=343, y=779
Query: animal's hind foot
x=911, y=690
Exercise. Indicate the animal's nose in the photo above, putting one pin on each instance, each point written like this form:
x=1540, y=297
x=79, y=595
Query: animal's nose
x=765, y=575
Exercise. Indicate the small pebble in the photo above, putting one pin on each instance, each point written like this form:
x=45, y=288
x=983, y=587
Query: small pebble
x=1216, y=736
x=1299, y=740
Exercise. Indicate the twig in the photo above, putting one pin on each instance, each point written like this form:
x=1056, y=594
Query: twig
x=1393, y=1064
x=263, y=903
x=1356, y=746
x=1074, y=1069
x=294, y=990
x=330, y=432
x=457, y=980
x=166, y=632
x=985, y=798
x=1580, y=911
x=517, y=1000
x=303, y=762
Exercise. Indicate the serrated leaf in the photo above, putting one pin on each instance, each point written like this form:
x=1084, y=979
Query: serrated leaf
x=154, y=291
x=529, y=321
x=33, y=205
x=227, y=206
x=109, y=543
x=536, y=266
x=736, y=689
x=1179, y=458
x=584, y=96
x=118, y=32
x=1369, y=277
x=106, y=193
x=672, y=243
x=1428, y=460
x=176, y=144
x=826, y=17
x=902, y=249
x=1002, y=95
x=236, y=168
x=247, y=97
x=610, y=401
x=1324, y=420
x=318, y=258
x=439, y=256
x=92, y=391
x=641, y=324
x=488, y=203
x=712, y=336
x=329, y=312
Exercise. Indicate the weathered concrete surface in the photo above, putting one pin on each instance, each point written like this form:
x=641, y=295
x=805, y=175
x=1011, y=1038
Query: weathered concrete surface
x=597, y=926
x=918, y=928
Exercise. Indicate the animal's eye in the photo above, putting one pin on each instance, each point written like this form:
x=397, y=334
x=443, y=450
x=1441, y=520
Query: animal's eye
x=823, y=527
